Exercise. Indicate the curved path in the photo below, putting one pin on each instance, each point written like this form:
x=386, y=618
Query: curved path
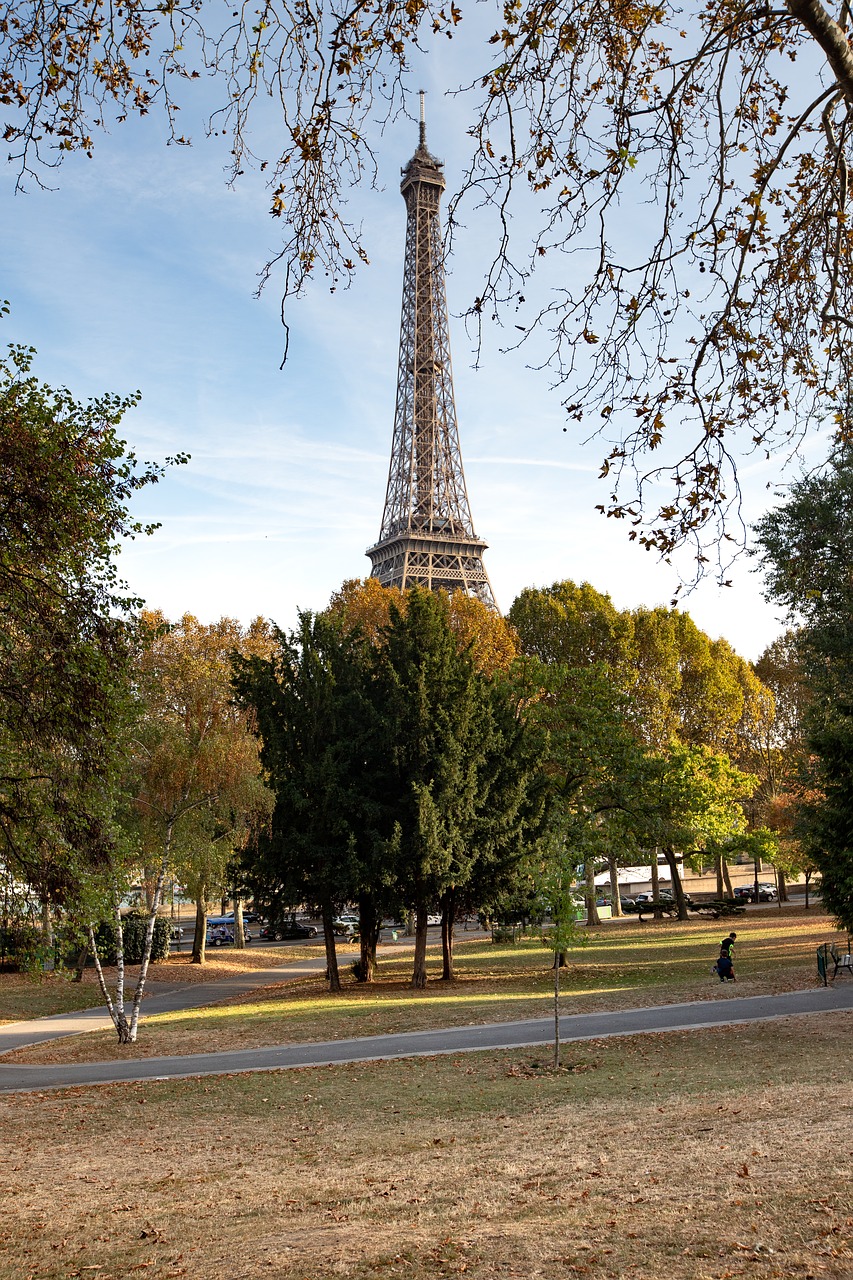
x=160, y=997
x=728, y=1010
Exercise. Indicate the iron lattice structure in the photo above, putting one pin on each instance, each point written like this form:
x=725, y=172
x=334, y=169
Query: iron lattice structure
x=427, y=537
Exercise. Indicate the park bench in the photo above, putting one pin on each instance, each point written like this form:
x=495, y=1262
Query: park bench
x=649, y=908
x=840, y=960
x=719, y=907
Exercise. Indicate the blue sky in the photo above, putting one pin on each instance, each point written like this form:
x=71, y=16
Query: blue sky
x=138, y=272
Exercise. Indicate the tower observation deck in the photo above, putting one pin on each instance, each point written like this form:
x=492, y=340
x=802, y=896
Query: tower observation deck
x=427, y=536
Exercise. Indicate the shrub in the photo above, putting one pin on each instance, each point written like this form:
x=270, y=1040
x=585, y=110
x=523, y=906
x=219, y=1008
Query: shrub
x=133, y=931
x=23, y=948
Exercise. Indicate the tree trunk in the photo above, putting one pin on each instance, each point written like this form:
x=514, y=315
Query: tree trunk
x=783, y=887
x=592, y=916
x=727, y=880
x=200, y=935
x=615, y=900
x=419, y=972
x=808, y=878
x=149, y=937
x=115, y=1009
x=80, y=962
x=369, y=927
x=655, y=876
x=120, y=1018
x=149, y=880
x=448, y=913
x=47, y=935
x=718, y=867
x=332, y=972
x=677, y=886
x=447, y=973
x=93, y=947
x=239, y=927
x=830, y=36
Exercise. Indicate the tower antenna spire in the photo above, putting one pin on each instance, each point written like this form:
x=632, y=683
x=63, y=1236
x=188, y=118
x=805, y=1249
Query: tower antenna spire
x=427, y=536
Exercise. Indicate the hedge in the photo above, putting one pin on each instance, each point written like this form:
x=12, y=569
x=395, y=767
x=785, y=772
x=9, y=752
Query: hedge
x=133, y=932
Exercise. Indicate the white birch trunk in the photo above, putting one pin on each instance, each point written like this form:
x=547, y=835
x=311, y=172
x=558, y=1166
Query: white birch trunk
x=120, y=1018
x=102, y=982
x=149, y=936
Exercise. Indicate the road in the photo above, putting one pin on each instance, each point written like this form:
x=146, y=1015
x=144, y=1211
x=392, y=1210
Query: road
x=728, y=1010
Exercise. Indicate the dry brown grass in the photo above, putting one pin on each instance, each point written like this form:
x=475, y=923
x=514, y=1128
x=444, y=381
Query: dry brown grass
x=683, y=1156
x=623, y=966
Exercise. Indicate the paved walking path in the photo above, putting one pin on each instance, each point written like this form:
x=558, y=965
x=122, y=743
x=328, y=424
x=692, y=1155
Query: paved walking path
x=160, y=997
x=728, y=1010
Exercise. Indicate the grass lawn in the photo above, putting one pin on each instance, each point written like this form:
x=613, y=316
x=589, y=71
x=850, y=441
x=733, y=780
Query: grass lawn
x=681, y=1156
x=623, y=966
x=39, y=995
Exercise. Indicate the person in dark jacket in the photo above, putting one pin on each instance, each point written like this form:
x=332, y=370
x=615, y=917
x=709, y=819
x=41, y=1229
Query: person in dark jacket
x=724, y=967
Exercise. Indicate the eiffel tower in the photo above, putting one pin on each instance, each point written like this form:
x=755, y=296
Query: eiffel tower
x=427, y=537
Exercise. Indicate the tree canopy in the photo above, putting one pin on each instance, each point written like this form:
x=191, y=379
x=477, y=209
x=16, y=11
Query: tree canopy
x=67, y=640
x=806, y=545
x=400, y=771
x=684, y=166
x=194, y=781
x=365, y=604
x=677, y=682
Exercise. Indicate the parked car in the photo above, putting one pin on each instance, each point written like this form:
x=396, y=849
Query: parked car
x=346, y=924
x=434, y=919
x=219, y=935
x=664, y=895
x=766, y=892
x=286, y=930
x=220, y=932
x=625, y=903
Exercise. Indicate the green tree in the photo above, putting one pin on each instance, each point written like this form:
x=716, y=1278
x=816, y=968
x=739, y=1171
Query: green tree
x=317, y=748
x=591, y=759
x=193, y=785
x=438, y=730
x=806, y=548
x=678, y=683
x=691, y=802
x=510, y=812
x=67, y=641
x=780, y=669
x=576, y=626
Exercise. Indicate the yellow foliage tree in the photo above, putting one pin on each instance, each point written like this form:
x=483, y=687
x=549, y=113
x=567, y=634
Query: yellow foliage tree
x=365, y=603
